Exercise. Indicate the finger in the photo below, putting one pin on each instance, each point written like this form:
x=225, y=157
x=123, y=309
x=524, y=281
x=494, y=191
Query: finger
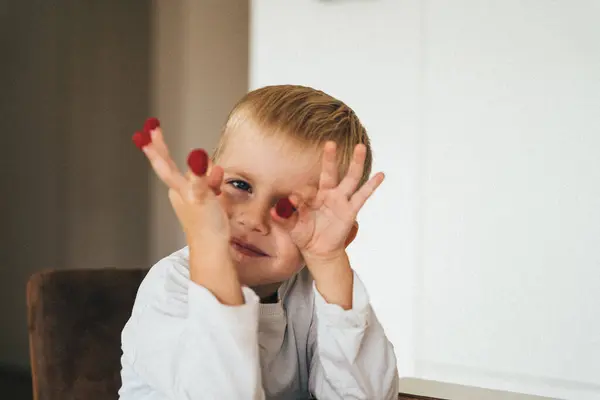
x=169, y=175
x=143, y=138
x=362, y=195
x=150, y=124
x=355, y=171
x=200, y=166
x=284, y=213
x=305, y=195
x=329, y=170
x=198, y=188
x=292, y=208
x=286, y=224
x=215, y=178
x=198, y=162
x=285, y=208
x=152, y=134
x=159, y=143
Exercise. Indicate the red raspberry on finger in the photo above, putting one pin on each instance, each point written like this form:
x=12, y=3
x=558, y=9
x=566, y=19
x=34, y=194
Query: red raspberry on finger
x=198, y=162
x=151, y=124
x=141, y=139
x=284, y=208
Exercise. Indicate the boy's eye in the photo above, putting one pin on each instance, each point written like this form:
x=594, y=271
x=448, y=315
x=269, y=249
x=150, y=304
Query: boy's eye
x=241, y=185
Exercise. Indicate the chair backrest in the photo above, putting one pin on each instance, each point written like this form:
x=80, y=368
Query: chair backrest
x=75, y=323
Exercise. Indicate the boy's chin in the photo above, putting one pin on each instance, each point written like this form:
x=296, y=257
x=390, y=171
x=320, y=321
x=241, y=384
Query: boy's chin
x=260, y=276
x=253, y=278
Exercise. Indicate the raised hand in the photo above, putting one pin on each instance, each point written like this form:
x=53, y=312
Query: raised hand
x=320, y=221
x=193, y=196
x=205, y=223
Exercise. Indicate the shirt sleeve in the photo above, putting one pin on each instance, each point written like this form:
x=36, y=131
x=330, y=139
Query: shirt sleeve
x=351, y=356
x=182, y=343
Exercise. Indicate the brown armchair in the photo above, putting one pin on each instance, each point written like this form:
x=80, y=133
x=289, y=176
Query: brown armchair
x=75, y=322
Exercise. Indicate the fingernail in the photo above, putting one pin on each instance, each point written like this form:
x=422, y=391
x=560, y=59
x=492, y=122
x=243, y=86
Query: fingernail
x=151, y=124
x=284, y=208
x=141, y=139
x=198, y=162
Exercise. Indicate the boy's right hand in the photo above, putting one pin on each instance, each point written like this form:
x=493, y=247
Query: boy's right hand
x=193, y=197
x=204, y=221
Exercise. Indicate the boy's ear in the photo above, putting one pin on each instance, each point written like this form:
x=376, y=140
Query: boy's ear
x=352, y=233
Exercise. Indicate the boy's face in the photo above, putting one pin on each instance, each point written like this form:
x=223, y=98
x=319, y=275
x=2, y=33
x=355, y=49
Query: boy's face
x=259, y=171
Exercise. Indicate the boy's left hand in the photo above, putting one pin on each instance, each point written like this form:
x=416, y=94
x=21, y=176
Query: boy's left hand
x=324, y=219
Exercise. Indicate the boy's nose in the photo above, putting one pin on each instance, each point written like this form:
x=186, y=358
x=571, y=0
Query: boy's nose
x=253, y=219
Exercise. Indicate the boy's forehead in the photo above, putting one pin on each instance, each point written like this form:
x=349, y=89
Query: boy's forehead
x=273, y=158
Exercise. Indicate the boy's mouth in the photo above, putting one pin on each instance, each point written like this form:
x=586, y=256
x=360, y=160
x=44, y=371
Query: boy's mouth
x=247, y=249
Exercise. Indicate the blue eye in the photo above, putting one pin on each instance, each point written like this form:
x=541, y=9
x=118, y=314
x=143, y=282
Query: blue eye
x=241, y=185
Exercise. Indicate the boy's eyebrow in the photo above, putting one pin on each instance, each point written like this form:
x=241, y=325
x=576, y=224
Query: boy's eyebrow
x=243, y=175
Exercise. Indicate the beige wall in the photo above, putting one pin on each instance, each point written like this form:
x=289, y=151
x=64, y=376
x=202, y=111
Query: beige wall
x=77, y=80
x=200, y=60
x=75, y=83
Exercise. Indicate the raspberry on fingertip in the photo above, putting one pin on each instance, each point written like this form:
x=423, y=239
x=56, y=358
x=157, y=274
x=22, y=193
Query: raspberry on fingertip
x=141, y=139
x=198, y=162
x=151, y=124
x=284, y=208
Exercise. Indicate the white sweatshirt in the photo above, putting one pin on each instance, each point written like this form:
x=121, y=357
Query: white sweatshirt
x=182, y=343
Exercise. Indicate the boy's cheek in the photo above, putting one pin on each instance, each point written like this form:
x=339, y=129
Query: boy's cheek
x=289, y=261
x=284, y=271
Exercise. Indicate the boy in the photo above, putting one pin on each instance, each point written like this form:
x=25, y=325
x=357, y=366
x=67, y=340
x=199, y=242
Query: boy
x=262, y=303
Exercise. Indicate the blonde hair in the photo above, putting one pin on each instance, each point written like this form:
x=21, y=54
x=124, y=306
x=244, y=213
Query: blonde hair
x=305, y=115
